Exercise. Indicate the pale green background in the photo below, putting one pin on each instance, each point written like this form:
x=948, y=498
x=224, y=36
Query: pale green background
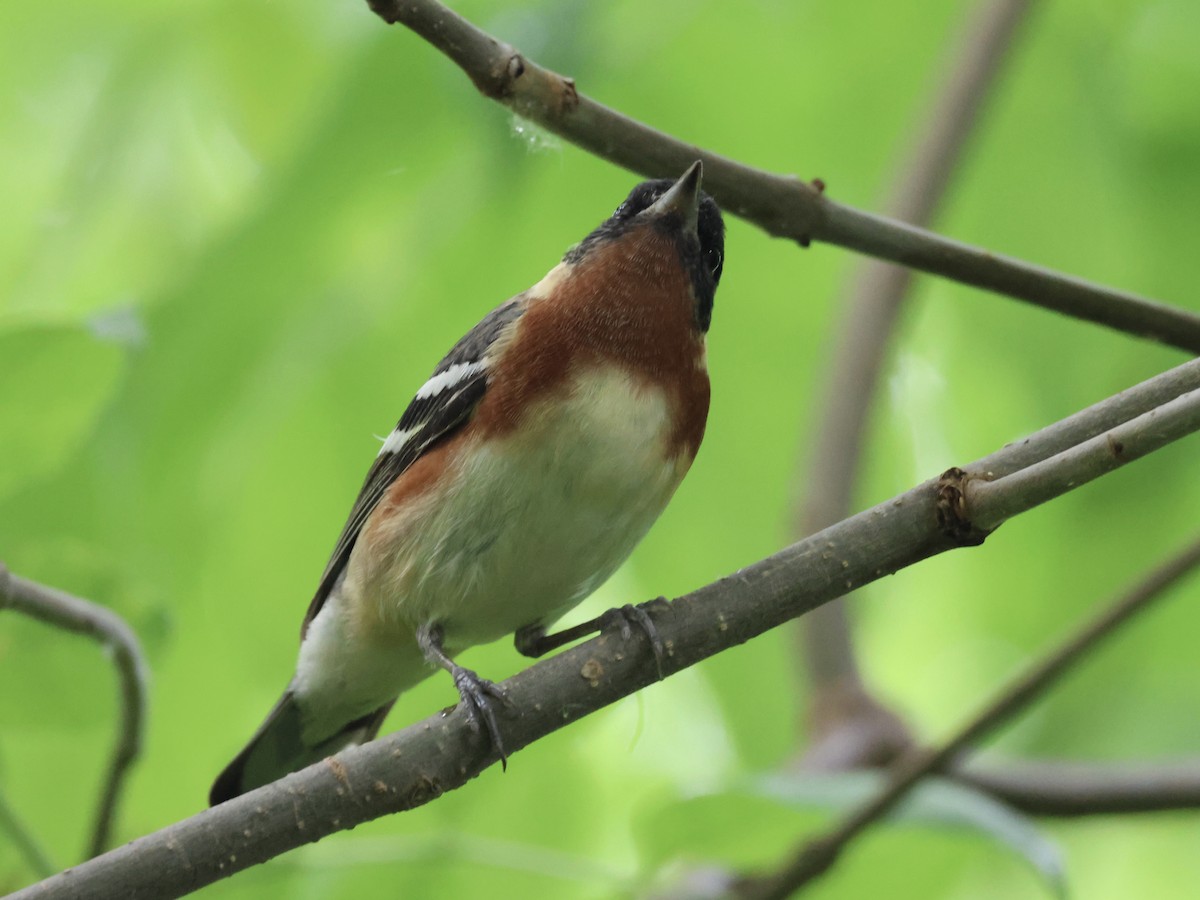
x=237, y=235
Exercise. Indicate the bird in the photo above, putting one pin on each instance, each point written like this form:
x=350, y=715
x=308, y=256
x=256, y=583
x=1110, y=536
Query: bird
x=519, y=478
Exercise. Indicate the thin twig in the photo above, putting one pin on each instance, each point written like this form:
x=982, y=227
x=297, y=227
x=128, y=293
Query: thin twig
x=31, y=851
x=1090, y=422
x=423, y=761
x=841, y=703
x=987, y=503
x=83, y=617
x=818, y=855
x=1065, y=789
x=783, y=206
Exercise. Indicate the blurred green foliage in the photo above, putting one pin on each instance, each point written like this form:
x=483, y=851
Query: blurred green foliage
x=238, y=235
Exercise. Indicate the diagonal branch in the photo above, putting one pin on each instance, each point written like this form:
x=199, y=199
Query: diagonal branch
x=82, y=617
x=817, y=856
x=1091, y=421
x=423, y=761
x=987, y=504
x=783, y=206
x=848, y=725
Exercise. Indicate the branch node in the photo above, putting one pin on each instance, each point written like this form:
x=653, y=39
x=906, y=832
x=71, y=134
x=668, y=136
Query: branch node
x=569, y=96
x=424, y=791
x=546, y=93
x=951, y=509
x=592, y=672
x=497, y=82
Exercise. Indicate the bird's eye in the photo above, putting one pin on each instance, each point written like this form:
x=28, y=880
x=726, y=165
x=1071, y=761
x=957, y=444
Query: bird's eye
x=715, y=261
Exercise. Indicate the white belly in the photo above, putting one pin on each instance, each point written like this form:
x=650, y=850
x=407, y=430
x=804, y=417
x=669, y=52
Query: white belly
x=527, y=528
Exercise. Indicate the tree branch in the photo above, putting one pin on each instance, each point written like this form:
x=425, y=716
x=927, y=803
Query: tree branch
x=987, y=504
x=848, y=725
x=783, y=206
x=61, y=610
x=1064, y=789
x=423, y=761
x=1090, y=422
x=818, y=855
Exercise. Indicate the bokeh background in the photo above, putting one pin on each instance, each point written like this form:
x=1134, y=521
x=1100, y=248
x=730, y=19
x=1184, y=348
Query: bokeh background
x=237, y=236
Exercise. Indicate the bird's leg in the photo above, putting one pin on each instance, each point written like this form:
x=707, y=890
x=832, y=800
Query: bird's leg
x=533, y=641
x=476, y=693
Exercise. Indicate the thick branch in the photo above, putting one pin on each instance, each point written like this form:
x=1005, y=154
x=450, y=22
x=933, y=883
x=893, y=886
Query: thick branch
x=783, y=206
x=818, y=855
x=61, y=610
x=842, y=708
x=423, y=761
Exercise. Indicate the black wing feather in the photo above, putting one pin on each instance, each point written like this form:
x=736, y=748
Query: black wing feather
x=430, y=419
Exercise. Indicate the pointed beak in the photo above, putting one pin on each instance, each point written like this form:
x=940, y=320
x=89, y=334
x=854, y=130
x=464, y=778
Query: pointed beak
x=682, y=198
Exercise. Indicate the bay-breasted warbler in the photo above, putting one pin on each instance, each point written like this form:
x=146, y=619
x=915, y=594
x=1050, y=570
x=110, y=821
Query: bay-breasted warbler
x=521, y=475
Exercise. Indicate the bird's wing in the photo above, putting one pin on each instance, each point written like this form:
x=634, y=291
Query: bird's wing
x=443, y=405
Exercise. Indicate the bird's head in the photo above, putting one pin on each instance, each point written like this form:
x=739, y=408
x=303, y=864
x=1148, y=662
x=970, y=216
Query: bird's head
x=682, y=212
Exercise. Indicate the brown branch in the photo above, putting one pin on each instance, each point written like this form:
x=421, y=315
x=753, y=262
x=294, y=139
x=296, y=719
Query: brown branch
x=1090, y=422
x=423, y=761
x=848, y=726
x=61, y=610
x=988, y=503
x=783, y=206
x=818, y=855
x=1062, y=789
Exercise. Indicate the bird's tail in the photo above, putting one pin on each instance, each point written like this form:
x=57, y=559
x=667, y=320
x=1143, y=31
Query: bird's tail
x=278, y=748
